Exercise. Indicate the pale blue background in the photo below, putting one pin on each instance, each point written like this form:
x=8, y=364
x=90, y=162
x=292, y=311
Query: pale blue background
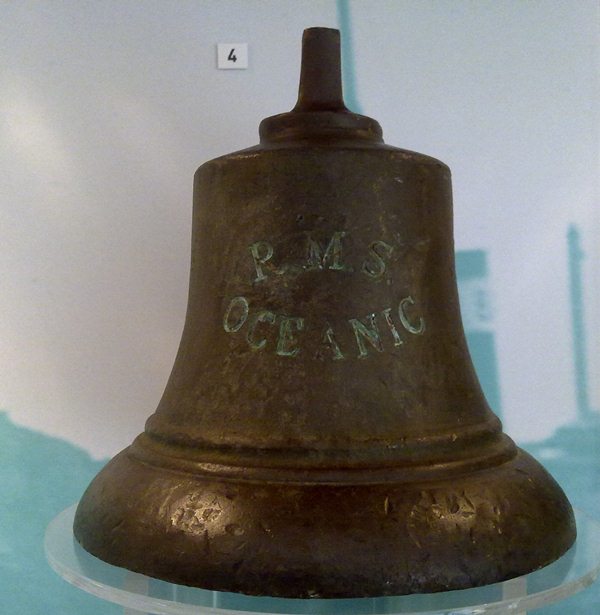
x=107, y=108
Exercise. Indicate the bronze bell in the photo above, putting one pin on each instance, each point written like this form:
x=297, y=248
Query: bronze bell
x=323, y=432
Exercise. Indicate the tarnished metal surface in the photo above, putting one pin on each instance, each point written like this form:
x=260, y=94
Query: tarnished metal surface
x=323, y=432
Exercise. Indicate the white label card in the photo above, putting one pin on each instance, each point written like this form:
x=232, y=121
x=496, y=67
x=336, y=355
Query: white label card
x=232, y=55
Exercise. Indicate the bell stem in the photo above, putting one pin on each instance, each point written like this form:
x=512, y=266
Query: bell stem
x=321, y=71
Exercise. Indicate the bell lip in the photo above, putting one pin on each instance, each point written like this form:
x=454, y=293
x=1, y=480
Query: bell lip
x=157, y=545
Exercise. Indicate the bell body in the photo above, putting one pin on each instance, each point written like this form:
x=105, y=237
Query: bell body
x=323, y=432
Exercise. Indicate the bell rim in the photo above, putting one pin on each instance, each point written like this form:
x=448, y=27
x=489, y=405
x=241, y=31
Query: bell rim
x=114, y=523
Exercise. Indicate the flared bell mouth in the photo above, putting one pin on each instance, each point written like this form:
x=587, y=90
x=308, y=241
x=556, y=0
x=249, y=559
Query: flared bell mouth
x=383, y=540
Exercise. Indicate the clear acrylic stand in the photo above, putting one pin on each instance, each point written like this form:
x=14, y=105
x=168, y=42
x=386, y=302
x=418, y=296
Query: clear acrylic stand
x=137, y=593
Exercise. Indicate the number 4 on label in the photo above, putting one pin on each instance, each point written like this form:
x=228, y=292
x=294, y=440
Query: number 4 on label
x=232, y=55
